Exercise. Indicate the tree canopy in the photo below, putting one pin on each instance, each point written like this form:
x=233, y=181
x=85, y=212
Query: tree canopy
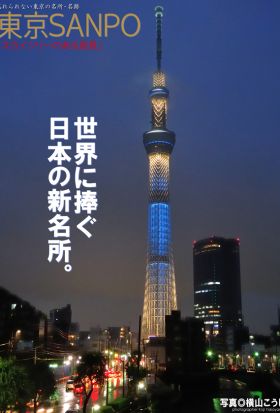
x=13, y=383
x=90, y=371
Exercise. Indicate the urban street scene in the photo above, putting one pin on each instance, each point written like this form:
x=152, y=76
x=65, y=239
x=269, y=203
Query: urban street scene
x=91, y=322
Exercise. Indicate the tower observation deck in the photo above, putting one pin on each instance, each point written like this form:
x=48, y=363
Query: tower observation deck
x=160, y=288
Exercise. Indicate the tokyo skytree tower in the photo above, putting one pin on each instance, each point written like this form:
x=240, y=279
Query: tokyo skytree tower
x=160, y=288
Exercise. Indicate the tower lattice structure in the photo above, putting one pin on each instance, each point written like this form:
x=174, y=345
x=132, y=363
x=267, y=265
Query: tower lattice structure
x=160, y=288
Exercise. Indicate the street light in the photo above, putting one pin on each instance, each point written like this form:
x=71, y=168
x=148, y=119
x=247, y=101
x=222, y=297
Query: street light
x=70, y=361
x=123, y=358
x=107, y=378
x=141, y=385
x=141, y=388
x=14, y=338
x=236, y=359
x=130, y=341
x=209, y=353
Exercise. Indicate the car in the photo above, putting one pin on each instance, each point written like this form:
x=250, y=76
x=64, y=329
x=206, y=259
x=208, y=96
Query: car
x=69, y=385
x=251, y=370
x=72, y=411
x=78, y=388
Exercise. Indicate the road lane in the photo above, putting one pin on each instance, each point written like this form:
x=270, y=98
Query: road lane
x=69, y=401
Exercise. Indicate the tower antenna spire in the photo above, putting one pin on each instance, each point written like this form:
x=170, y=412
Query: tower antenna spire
x=159, y=16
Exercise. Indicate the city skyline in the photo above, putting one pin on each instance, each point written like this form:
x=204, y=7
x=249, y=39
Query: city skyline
x=222, y=64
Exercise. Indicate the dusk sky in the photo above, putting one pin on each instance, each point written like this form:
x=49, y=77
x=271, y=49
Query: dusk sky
x=222, y=62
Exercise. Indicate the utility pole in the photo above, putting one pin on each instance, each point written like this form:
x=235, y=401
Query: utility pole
x=35, y=355
x=156, y=367
x=107, y=379
x=139, y=346
x=107, y=390
x=123, y=376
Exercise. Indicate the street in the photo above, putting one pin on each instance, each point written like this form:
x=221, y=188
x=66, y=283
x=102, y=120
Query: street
x=69, y=401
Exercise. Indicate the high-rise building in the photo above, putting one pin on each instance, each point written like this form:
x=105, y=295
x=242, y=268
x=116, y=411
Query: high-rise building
x=119, y=338
x=160, y=289
x=61, y=322
x=74, y=334
x=217, y=285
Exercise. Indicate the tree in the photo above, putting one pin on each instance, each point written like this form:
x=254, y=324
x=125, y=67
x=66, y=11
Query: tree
x=135, y=374
x=13, y=384
x=91, y=371
x=41, y=381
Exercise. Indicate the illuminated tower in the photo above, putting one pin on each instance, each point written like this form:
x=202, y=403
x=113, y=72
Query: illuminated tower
x=160, y=289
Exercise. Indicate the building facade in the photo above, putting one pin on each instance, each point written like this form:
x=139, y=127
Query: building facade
x=20, y=322
x=217, y=287
x=185, y=346
x=61, y=323
x=160, y=289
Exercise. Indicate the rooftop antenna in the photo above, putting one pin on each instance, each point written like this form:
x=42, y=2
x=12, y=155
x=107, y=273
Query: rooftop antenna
x=159, y=16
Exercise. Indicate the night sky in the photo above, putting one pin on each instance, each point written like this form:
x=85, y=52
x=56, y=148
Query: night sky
x=222, y=63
